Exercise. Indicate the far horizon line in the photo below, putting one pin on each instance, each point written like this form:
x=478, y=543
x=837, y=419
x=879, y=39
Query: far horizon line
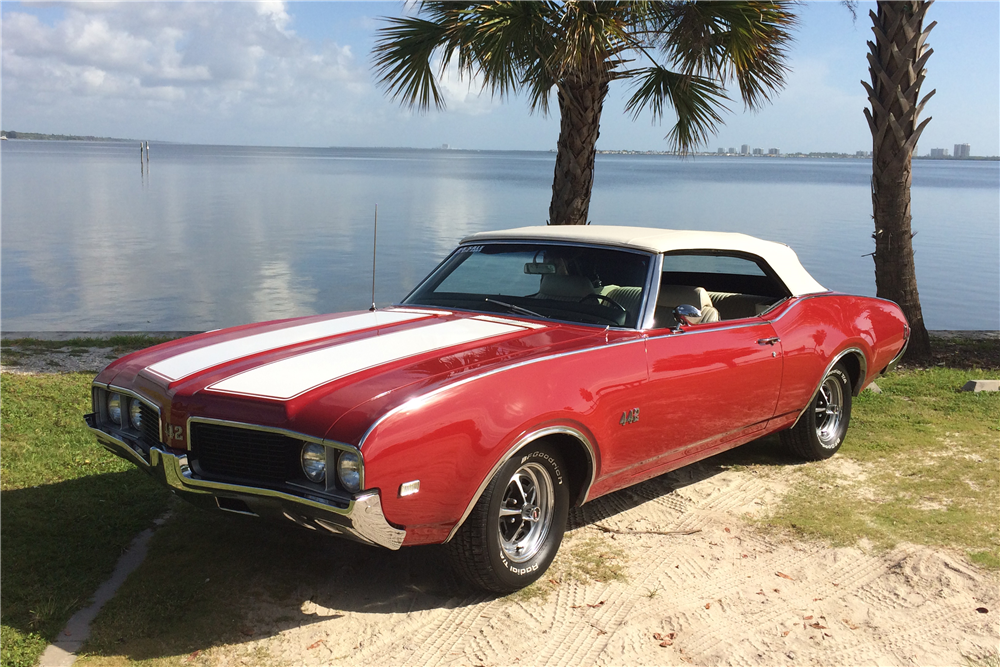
x=41, y=136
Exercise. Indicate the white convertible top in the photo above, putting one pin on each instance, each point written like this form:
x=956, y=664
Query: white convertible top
x=778, y=256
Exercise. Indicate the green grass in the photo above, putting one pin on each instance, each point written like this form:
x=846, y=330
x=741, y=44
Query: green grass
x=920, y=464
x=584, y=560
x=68, y=510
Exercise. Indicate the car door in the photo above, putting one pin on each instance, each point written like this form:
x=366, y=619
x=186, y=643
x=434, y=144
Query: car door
x=708, y=384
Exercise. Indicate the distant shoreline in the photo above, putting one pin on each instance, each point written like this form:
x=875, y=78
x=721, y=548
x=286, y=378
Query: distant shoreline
x=37, y=136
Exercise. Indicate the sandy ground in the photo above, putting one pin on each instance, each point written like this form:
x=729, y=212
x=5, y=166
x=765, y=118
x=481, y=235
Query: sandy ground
x=724, y=594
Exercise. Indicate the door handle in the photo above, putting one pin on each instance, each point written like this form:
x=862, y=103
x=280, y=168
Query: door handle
x=768, y=341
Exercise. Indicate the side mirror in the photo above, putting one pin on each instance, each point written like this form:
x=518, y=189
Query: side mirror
x=685, y=313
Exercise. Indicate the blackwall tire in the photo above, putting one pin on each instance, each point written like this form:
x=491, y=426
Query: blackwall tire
x=514, y=531
x=820, y=430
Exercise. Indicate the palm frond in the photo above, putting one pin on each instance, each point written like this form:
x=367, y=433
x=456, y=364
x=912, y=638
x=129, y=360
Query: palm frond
x=741, y=42
x=533, y=46
x=696, y=100
x=756, y=50
x=505, y=40
x=496, y=41
x=538, y=82
x=403, y=56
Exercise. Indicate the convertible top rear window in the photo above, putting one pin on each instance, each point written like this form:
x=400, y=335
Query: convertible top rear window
x=564, y=282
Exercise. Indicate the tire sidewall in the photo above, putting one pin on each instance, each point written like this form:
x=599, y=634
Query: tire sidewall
x=518, y=575
x=826, y=451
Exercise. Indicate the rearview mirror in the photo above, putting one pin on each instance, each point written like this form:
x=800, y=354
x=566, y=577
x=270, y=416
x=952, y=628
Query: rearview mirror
x=539, y=268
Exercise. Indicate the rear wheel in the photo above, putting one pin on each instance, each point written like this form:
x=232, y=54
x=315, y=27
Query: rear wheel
x=821, y=429
x=514, y=531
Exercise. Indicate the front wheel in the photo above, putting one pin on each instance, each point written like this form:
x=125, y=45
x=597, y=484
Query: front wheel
x=514, y=531
x=821, y=429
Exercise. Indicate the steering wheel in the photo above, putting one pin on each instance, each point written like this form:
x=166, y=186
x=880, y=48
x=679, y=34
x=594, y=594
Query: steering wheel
x=603, y=297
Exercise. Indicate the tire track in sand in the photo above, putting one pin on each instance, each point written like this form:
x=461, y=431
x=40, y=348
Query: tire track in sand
x=718, y=589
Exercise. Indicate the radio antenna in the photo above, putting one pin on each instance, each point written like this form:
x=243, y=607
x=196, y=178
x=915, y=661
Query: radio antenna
x=374, y=248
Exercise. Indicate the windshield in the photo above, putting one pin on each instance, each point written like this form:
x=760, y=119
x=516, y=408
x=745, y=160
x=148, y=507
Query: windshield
x=563, y=282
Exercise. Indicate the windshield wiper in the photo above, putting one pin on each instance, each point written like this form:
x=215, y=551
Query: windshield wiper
x=517, y=309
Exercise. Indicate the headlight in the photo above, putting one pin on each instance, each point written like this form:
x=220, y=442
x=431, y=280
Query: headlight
x=115, y=408
x=349, y=471
x=135, y=413
x=314, y=462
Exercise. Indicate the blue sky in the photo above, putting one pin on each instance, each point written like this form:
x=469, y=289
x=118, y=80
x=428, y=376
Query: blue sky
x=299, y=74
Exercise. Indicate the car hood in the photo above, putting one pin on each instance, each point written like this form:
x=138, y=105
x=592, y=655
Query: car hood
x=305, y=374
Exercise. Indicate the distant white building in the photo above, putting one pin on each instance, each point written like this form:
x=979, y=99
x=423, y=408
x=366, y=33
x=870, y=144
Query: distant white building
x=731, y=151
x=745, y=149
x=758, y=151
x=962, y=150
x=722, y=151
x=773, y=151
x=939, y=152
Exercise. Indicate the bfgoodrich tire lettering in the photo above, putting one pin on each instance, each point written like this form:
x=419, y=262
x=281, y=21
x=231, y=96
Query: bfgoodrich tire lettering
x=514, y=531
x=821, y=429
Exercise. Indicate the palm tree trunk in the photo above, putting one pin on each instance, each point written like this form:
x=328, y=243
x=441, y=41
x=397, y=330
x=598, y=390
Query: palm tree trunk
x=896, y=65
x=581, y=100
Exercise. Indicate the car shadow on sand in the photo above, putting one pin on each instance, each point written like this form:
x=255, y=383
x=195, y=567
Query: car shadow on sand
x=212, y=579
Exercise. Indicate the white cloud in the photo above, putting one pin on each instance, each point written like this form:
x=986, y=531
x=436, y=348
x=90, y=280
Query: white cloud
x=463, y=93
x=172, y=65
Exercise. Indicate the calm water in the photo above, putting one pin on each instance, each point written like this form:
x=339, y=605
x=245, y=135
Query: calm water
x=216, y=236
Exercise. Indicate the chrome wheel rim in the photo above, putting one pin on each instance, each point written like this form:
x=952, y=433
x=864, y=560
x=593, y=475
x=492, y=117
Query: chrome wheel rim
x=829, y=412
x=526, y=512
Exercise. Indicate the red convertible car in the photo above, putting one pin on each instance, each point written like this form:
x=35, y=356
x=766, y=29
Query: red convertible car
x=534, y=369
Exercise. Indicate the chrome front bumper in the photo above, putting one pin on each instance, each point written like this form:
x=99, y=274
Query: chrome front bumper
x=360, y=519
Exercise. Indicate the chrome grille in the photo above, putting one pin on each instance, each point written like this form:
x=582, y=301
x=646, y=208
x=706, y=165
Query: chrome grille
x=242, y=453
x=150, y=424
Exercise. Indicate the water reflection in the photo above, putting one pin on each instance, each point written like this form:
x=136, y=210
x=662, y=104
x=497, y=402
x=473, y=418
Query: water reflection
x=281, y=294
x=229, y=235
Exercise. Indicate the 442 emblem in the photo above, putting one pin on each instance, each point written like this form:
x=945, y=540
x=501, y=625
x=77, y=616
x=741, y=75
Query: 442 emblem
x=629, y=417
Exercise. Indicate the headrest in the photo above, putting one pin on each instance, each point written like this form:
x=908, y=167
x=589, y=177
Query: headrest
x=671, y=296
x=565, y=287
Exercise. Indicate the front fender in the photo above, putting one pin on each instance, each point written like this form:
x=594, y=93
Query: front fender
x=454, y=439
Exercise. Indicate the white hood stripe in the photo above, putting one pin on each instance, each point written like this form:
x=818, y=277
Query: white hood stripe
x=290, y=377
x=189, y=363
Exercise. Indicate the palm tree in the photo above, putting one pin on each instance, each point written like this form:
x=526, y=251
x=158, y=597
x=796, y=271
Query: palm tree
x=676, y=54
x=896, y=64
